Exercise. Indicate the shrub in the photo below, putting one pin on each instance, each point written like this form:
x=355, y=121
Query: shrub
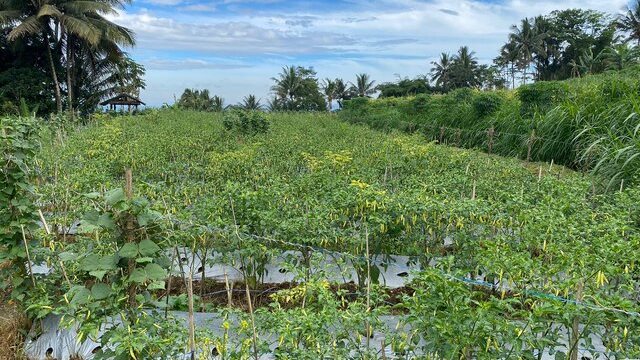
x=486, y=103
x=246, y=122
x=541, y=95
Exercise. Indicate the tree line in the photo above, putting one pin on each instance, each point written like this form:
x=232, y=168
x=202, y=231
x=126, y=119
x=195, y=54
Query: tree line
x=296, y=88
x=560, y=45
x=63, y=55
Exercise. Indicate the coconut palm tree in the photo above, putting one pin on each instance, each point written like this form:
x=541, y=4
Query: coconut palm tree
x=364, y=86
x=341, y=92
x=250, y=102
x=218, y=103
x=464, y=68
x=509, y=57
x=329, y=89
x=33, y=18
x=620, y=56
x=441, y=71
x=527, y=43
x=630, y=22
x=65, y=24
x=288, y=83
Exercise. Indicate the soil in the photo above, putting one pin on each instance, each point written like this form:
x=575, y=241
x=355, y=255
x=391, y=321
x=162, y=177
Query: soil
x=214, y=293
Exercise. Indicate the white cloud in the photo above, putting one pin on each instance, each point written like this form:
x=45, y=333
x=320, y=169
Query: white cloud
x=380, y=37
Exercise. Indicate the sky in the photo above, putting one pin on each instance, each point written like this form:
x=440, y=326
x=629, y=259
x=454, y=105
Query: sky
x=234, y=47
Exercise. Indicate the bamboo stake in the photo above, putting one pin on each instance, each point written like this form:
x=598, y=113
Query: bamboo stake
x=540, y=173
x=192, y=326
x=383, y=347
x=367, y=325
x=26, y=248
x=530, y=144
x=490, y=134
x=253, y=321
x=228, y=288
x=621, y=185
x=473, y=192
x=129, y=227
x=575, y=328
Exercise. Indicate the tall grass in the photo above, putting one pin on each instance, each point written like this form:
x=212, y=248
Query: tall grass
x=590, y=123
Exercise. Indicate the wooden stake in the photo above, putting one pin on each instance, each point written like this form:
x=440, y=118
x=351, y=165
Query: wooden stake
x=129, y=235
x=530, y=144
x=366, y=324
x=621, y=185
x=192, y=322
x=473, y=192
x=253, y=321
x=575, y=327
x=228, y=288
x=26, y=248
x=540, y=173
x=490, y=134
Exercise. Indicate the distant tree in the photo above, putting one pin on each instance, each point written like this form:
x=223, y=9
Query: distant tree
x=464, y=69
x=217, y=103
x=342, y=92
x=364, y=86
x=528, y=42
x=620, y=56
x=329, y=89
x=405, y=87
x=274, y=104
x=441, y=72
x=508, y=59
x=630, y=23
x=297, y=89
x=250, y=102
x=199, y=100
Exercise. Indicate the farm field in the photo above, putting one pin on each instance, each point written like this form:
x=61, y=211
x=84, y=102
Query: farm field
x=503, y=258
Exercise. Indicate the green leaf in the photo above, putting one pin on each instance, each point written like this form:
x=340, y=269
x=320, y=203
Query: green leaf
x=144, y=260
x=114, y=196
x=109, y=262
x=100, y=291
x=67, y=256
x=81, y=295
x=90, y=263
x=105, y=221
x=92, y=195
x=129, y=251
x=98, y=274
x=148, y=248
x=155, y=272
x=138, y=276
x=156, y=285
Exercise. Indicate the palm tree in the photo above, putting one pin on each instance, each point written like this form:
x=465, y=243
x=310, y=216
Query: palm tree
x=218, y=103
x=464, y=68
x=287, y=83
x=509, y=57
x=32, y=18
x=71, y=23
x=630, y=22
x=527, y=44
x=620, y=56
x=441, y=71
x=364, y=86
x=329, y=88
x=341, y=92
x=250, y=102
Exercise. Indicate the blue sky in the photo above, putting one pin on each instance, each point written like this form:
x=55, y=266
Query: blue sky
x=234, y=47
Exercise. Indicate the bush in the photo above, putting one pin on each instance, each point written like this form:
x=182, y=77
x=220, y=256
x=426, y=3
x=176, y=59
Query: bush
x=541, y=96
x=486, y=104
x=246, y=122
